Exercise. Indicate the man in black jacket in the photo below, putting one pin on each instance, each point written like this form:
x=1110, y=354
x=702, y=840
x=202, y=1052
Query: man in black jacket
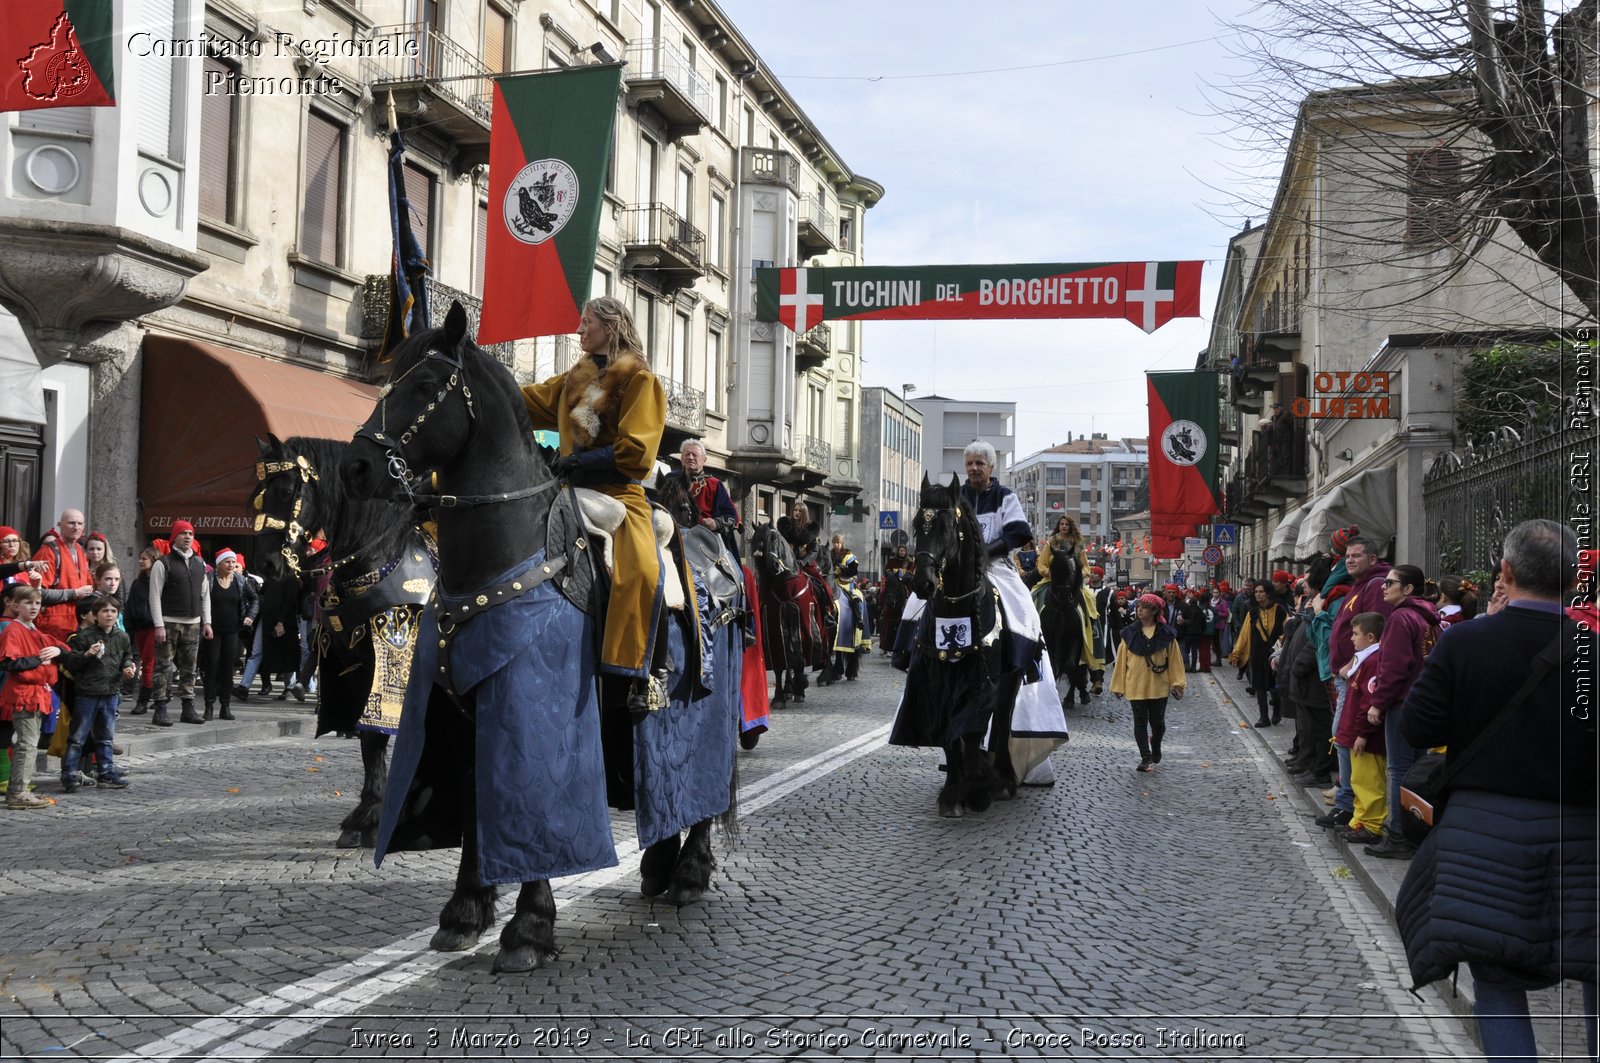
x=1506, y=880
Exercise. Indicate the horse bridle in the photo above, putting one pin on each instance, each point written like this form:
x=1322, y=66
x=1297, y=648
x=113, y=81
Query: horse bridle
x=400, y=470
x=293, y=530
x=927, y=516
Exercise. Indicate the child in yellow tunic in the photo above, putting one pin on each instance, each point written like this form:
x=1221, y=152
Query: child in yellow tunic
x=610, y=411
x=1149, y=666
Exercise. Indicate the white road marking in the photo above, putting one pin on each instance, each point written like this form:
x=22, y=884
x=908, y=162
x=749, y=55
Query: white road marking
x=353, y=987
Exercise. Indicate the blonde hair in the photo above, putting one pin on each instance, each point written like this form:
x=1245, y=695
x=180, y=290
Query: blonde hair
x=621, y=333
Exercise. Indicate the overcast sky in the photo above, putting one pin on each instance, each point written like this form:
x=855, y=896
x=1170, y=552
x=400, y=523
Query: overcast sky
x=1108, y=153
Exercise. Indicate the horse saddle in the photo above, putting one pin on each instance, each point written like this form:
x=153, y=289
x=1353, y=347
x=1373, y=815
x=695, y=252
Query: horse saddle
x=708, y=558
x=603, y=516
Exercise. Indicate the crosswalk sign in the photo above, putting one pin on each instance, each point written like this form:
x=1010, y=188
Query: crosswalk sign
x=1225, y=534
x=888, y=519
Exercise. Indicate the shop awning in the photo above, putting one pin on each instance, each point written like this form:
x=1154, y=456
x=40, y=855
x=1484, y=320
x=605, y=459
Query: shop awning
x=1281, y=547
x=203, y=408
x=1366, y=500
x=21, y=379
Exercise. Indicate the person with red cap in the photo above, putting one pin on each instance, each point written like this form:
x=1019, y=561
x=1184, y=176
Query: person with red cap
x=14, y=567
x=1149, y=668
x=180, y=606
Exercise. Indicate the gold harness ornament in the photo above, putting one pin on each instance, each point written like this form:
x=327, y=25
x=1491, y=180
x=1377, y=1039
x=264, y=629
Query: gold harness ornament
x=292, y=528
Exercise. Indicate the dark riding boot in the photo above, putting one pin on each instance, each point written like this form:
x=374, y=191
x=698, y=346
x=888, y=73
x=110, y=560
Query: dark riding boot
x=160, y=719
x=211, y=709
x=189, y=715
x=142, y=706
x=227, y=712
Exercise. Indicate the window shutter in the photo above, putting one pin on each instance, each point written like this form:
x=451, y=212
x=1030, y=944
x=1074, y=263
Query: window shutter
x=494, y=40
x=419, y=190
x=154, y=120
x=480, y=247
x=216, y=146
x=319, y=222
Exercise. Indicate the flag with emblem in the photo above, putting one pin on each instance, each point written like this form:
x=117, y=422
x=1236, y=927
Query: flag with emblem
x=1183, y=456
x=56, y=53
x=408, y=268
x=548, y=148
x=798, y=307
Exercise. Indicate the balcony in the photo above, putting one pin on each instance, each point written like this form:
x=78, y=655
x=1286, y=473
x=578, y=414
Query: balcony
x=815, y=234
x=768, y=166
x=658, y=75
x=375, y=313
x=1275, y=468
x=815, y=460
x=686, y=410
x=438, y=84
x=812, y=348
x=663, y=246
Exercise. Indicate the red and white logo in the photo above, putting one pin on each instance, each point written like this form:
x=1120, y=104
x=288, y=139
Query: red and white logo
x=57, y=69
x=1144, y=302
x=798, y=308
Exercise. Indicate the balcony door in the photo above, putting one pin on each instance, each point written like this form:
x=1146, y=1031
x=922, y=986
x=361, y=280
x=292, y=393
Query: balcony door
x=422, y=20
x=649, y=158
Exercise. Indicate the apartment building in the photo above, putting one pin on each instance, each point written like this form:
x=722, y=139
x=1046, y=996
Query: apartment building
x=950, y=424
x=207, y=261
x=1095, y=480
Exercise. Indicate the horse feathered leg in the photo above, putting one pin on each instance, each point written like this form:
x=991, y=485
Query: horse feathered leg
x=655, y=866
x=470, y=909
x=529, y=938
x=691, y=876
x=360, y=827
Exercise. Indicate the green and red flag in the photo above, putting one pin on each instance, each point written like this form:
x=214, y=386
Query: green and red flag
x=548, y=150
x=56, y=53
x=1183, y=456
x=1149, y=294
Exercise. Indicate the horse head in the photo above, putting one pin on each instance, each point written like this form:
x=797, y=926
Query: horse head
x=774, y=558
x=947, y=539
x=450, y=431
x=672, y=495
x=1064, y=564
x=289, y=507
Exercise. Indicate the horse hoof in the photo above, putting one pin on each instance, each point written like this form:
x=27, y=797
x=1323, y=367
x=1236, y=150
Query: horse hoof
x=349, y=838
x=517, y=960
x=654, y=885
x=951, y=811
x=980, y=801
x=681, y=895
x=369, y=838
x=1005, y=793
x=448, y=940
x=748, y=739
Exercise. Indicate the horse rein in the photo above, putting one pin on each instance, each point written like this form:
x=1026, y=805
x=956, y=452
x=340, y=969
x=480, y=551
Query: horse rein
x=928, y=516
x=400, y=471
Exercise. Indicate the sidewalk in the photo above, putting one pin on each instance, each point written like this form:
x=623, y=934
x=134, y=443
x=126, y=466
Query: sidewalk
x=256, y=720
x=1381, y=879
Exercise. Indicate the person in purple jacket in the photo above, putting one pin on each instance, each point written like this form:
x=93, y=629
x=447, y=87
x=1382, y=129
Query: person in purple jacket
x=1408, y=637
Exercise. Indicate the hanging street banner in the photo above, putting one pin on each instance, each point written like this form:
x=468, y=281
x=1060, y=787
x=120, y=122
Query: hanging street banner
x=1149, y=294
x=1183, y=457
x=548, y=148
x=56, y=53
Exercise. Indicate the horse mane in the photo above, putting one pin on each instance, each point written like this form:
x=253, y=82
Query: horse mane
x=376, y=524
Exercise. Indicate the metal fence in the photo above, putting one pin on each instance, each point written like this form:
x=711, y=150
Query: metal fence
x=1471, y=499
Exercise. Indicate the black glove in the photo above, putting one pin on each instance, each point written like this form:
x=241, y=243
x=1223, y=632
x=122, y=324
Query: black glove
x=562, y=467
x=998, y=548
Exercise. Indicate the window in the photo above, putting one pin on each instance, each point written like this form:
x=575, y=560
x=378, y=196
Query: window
x=218, y=111
x=496, y=40
x=648, y=151
x=480, y=246
x=160, y=97
x=683, y=200
x=600, y=284
x=644, y=318
x=714, y=227
x=719, y=101
x=750, y=126
x=679, y=369
x=419, y=192
x=714, y=370
x=1055, y=475
x=554, y=60
x=1434, y=181
x=847, y=231
x=324, y=184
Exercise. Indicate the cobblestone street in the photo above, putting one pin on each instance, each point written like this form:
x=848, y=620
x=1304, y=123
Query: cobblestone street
x=1189, y=913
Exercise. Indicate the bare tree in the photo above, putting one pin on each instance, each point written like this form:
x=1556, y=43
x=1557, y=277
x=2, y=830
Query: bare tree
x=1489, y=104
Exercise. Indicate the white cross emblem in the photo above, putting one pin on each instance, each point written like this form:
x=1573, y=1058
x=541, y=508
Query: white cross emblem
x=1149, y=296
x=800, y=301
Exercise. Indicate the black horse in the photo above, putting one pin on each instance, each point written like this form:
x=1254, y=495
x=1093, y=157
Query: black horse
x=793, y=621
x=1061, y=616
x=500, y=745
x=955, y=693
x=377, y=566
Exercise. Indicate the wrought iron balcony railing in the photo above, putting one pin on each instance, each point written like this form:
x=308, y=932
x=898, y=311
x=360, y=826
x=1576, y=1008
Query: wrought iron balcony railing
x=375, y=312
x=423, y=54
x=818, y=454
x=657, y=227
x=686, y=406
x=655, y=59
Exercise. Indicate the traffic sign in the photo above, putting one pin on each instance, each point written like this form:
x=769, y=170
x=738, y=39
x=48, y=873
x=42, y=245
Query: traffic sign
x=1180, y=577
x=1225, y=534
x=1212, y=555
x=899, y=538
x=888, y=519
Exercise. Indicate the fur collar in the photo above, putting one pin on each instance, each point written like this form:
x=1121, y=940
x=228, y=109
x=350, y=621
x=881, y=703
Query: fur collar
x=591, y=396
